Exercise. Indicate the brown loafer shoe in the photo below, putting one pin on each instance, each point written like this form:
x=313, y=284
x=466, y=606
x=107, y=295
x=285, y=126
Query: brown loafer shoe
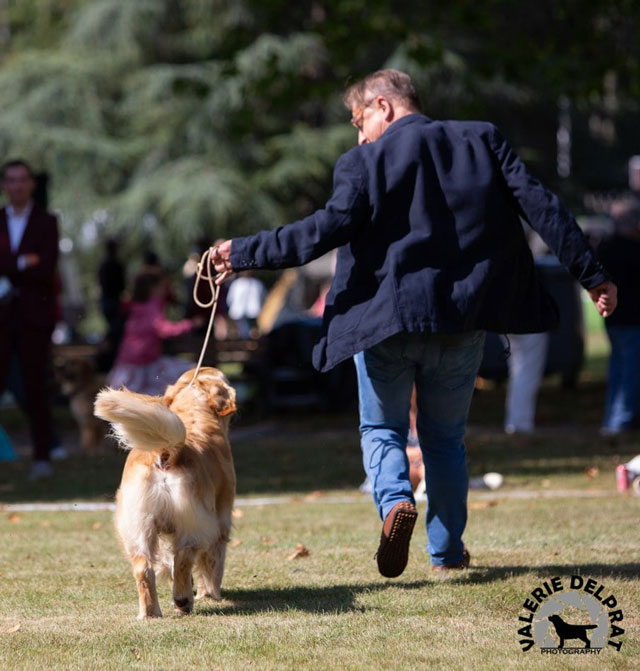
x=462, y=564
x=393, y=551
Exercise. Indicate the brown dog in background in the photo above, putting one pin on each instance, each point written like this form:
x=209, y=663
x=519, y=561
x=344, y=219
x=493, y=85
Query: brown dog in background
x=173, y=508
x=80, y=383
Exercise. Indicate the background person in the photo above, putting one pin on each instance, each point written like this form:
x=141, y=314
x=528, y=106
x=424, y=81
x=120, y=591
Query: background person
x=431, y=254
x=112, y=279
x=140, y=365
x=245, y=299
x=526, y=364
x=28, y=256
x=621, y=256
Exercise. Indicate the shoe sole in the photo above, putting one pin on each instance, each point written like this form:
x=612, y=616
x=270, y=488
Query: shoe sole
x=393, y=551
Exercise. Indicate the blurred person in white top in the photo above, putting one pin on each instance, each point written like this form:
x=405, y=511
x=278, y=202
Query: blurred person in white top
x=244, y=300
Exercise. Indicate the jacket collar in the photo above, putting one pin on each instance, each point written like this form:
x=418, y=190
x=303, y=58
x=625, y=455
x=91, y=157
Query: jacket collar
x=408, y=119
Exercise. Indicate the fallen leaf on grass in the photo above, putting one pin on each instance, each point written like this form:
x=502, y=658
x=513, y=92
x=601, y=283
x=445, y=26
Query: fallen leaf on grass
x=96, y=525
x=265, y=540
x=314, y=495
x=11, y=630
x=14, y=518
x=592, y=472
x=301, y=551
x=236, y=513
x=546, y=483
x=45, y=523
x=479, y=505
x=235, y=542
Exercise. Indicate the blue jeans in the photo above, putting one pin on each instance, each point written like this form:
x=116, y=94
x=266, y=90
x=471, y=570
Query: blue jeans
x=443, y=368
x=623, y=390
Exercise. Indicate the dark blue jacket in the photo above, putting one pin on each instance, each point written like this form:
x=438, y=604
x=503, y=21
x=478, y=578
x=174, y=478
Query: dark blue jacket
x=426, y=220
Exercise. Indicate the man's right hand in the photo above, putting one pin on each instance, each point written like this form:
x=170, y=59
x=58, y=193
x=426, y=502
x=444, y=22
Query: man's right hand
x=30, y=260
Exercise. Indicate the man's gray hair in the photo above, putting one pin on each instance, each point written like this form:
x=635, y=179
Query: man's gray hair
x=392, y=84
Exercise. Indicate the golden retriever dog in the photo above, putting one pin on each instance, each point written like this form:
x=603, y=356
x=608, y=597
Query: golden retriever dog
x=173, y=507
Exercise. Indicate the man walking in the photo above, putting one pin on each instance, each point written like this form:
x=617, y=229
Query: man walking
x=28, y=256
x=431, y=254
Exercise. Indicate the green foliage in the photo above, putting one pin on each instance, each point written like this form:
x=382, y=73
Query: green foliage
x=219, y=117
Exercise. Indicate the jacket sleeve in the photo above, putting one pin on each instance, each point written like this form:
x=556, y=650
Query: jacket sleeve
x=47, y=250
x=544, y=212
x=8, y=264
x=298, y=243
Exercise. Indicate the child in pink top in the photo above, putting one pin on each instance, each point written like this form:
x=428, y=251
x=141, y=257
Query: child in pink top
x=140, y=365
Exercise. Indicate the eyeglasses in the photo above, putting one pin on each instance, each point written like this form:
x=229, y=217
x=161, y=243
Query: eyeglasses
x=356, y=121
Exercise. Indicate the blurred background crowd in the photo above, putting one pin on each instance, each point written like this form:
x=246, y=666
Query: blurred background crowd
x=153, y=128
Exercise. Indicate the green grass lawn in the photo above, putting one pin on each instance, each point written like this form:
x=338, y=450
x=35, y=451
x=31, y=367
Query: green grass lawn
x=69, y=600
x=70, y=591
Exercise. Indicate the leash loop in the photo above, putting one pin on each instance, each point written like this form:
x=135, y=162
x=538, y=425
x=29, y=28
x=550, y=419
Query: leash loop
x=203, y=272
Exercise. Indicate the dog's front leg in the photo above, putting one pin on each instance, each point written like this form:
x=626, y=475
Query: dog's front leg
x=182, y=582
x=147, y=594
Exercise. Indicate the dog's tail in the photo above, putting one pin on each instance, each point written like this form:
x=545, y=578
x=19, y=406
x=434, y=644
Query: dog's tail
x=139, y=421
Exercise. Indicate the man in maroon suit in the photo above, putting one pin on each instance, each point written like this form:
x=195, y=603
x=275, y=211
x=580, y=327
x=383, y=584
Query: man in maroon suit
x=28, y=256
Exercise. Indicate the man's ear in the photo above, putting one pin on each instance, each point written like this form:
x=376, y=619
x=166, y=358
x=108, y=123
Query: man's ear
x=222, y=399
x=387, y=108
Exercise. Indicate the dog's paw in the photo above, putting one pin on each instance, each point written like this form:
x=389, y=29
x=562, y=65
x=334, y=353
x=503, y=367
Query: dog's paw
x=208, y=595
x=183, y=606
x=148, y=616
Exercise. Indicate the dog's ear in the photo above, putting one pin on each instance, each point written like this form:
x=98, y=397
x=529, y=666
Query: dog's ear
x=169, y=394
x=222, y=398
x=173, y=390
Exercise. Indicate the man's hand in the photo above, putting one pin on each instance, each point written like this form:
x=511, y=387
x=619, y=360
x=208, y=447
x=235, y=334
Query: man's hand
x=30, y=260
x=221, y=261
x=605, y=297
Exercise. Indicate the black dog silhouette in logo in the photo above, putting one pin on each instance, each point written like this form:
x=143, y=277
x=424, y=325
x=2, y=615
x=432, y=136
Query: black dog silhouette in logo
x=567, y=631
